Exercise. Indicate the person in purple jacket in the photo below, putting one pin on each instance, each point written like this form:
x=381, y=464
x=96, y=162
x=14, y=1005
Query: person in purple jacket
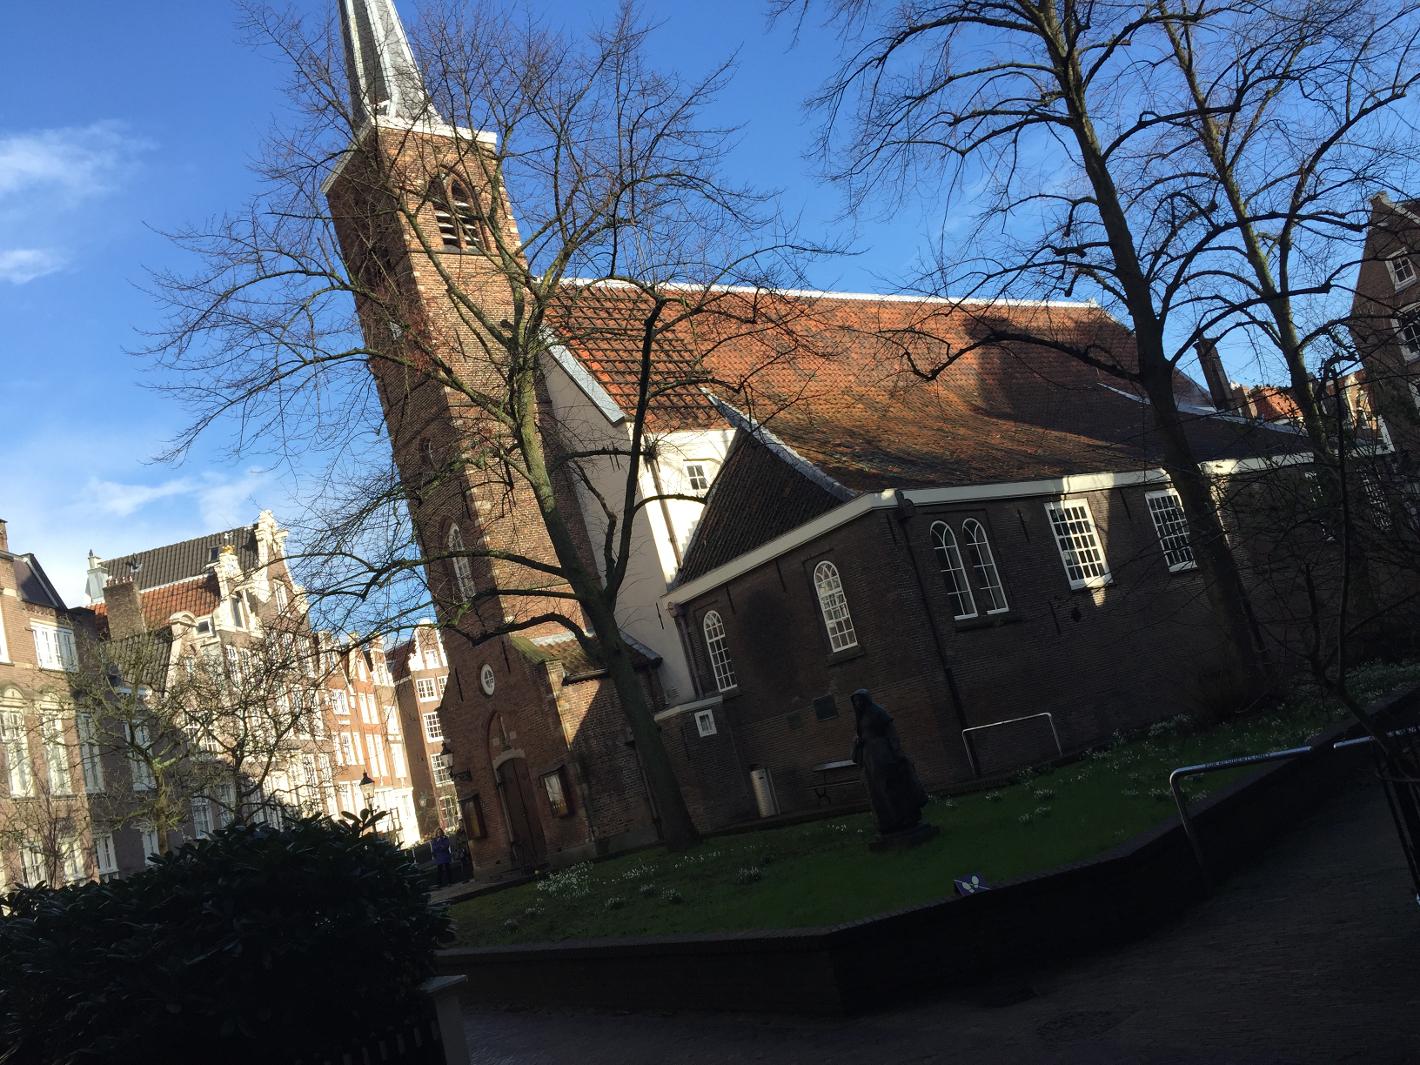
x=443, y=857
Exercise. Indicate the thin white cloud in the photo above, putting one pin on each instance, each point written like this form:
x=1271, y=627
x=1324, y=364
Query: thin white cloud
x=21, y=265
x=119, y=500
x=44, y=175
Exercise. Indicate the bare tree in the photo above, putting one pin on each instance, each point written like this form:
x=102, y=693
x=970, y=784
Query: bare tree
x=1107, y=158
x=613, y=175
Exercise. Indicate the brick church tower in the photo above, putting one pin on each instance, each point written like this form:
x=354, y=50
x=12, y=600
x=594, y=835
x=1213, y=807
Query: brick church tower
x=432, y=249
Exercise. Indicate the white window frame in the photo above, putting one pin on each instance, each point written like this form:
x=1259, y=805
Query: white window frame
x=1391, y=264
x=56, y=752
x=1171, y=526
x=148, y=836
x=833, y=607
x=944, y=543
x=442, y=766
x=425, y=690
x=463, y=569
x=90, y=755
x=34, y=866
x=1407, y=324
x=54, y=646
x=201, y=818
x=4, y=645
x=988, y=577
x=1093, y=573
x=702, y=471
x=19, y=770
x=105, y=855
x=399, y=762
x=717, y=648
x=339, y=702
x=1376, y=501
x=139, y=737
x=71, y=859
x=433, y=727
x=705, y=723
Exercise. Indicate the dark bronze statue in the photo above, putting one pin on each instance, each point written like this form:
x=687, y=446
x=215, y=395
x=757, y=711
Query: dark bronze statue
x=895, y=792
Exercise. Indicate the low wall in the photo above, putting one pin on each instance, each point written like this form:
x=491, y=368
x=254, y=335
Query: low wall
x=1113, y=897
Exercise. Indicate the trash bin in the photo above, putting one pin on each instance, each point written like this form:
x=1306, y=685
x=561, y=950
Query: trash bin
x=762, y=784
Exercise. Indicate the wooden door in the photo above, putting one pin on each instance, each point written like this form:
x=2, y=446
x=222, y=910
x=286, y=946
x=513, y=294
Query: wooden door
x=516, y=791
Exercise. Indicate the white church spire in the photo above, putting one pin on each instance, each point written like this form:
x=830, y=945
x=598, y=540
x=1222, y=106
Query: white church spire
x=384, y=80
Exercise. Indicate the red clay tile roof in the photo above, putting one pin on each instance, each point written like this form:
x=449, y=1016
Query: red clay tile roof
x=830, y=376
x=198, y=596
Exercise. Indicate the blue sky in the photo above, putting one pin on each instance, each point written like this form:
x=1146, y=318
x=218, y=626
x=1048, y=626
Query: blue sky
x=125, y=120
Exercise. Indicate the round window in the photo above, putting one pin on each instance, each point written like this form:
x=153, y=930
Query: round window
x=486, y=679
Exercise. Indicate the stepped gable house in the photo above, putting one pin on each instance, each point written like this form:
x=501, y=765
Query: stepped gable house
x=993, y=551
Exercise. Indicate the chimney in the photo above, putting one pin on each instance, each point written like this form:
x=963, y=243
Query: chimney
x=125, y=610
x=4, y=536
x=1220, y=390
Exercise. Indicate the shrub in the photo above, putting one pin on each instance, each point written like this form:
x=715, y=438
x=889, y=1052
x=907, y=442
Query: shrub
x=671, y=895
x=749, y=874
x=615, y=902
x=250, y=940
x=646, y=890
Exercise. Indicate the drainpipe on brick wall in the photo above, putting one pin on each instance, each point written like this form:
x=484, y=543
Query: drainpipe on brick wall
x=905, y=511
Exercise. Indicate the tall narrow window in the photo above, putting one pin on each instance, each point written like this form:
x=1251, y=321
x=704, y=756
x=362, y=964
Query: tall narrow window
x=56, y=753
x=1376, y=501
x=1402, y=270
x=433, y=727
x=89, y=758
x=443, y=768
x=978, y=548
x=106, y=858
x=1172, y=526
x=465, y=217
x=17, y=753
x=1079, y=546
x=201, y=818
x=834, y=604
x=1407, y=331
x=71, y=855
x=463, y=570
x=4, y=647
x=953, y=572
x=283, y=599
x=719, y=652
x=140, y=753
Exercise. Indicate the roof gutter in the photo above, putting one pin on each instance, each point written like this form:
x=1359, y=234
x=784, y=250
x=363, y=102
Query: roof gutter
x=888, y=499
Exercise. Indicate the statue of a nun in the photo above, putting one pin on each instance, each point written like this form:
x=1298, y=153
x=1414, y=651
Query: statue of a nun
x=893, y=788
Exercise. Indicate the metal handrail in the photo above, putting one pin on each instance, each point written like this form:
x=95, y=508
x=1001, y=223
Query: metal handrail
x=1049, y=717
x=1177, y=777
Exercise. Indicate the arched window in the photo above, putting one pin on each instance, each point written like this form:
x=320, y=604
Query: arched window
x=987, y=578
x=953, y=572
x=463, y=570
x=719, y=652
x=834, y=604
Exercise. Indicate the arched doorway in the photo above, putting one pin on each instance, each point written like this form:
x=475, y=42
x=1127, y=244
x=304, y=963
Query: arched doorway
x=527, y=844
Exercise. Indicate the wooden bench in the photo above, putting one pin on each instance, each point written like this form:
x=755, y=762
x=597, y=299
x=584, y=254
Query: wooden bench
x=841, y=774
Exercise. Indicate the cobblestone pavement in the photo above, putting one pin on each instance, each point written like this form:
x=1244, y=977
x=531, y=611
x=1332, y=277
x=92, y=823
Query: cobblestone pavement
x=1309, y=956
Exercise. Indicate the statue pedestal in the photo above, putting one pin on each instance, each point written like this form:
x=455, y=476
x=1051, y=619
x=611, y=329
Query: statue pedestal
x=907, y=837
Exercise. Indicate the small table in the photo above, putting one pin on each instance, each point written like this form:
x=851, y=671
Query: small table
x=844, y=773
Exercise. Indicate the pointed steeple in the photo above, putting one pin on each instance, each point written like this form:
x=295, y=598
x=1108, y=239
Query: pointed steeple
x=384, y=80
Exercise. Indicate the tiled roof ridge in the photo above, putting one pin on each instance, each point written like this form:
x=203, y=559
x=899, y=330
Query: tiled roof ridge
x=864, y=297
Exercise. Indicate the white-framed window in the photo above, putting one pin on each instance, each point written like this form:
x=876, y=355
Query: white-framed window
x=834, y=605
x=71, y=859
x=234, y=664
x=443, y=682
x=105, y=855
x=201, y=818
x=443, y=768
x=1407, y=332
x=463, y=568
x=1402, y=270
x=988, y=578
x=719, y=652
x=392, y=721
x=698, y=476
x=347, y=749
x=433, y=727
x=56, y=753
x=424, y=690
x=340, y=702
x=282, y=597
x=238, y=611
x=224, y=808
x=54, y=646
x=376, y=751
x=1172, y=526
x=34, y=869
x=17, y=753
x=149, y=837
x=140, y=751
x=705, y=723
x=1376, y=501
x=90, y=759
x=4, y=647
x=944, y=542
x=1079, y=545
x=398, y=761
x=448, y=810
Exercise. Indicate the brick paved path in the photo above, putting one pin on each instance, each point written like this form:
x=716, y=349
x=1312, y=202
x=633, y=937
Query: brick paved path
x=1310, y=956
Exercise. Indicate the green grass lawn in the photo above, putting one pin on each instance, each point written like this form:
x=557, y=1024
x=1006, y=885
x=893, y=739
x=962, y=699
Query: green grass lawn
x=822, y=872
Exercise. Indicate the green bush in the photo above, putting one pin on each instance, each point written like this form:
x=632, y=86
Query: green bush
x=253, y=945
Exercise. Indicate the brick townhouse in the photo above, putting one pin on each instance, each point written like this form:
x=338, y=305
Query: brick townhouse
x=421, y=673
x=995, y=542
x=226, y=603
x=49, y=767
